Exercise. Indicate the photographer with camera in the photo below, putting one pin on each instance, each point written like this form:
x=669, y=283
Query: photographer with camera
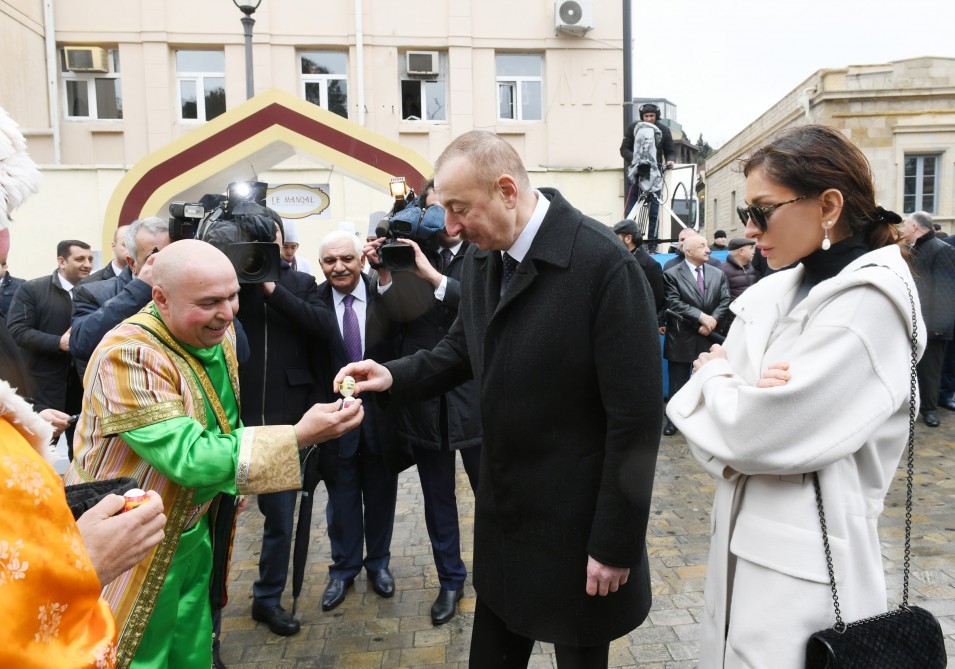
x=650, y=160
x=279, y=381
x=437, y=427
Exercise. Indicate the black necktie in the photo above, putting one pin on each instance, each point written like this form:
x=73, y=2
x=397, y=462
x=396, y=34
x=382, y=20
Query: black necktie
x=446, y=258
x=510, y=266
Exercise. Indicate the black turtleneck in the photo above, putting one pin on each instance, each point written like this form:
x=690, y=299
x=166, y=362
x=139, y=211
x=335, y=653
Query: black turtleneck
x=821, y=265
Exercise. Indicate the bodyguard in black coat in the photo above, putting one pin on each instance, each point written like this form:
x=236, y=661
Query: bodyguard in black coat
x=423, y=302
x=39, y=317
x=567, y=360
x=283, y=376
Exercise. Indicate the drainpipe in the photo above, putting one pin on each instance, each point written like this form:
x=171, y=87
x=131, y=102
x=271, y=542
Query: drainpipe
x=360, y=62
x=51, y=82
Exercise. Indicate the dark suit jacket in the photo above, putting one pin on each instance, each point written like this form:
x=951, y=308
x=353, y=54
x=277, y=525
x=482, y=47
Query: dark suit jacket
x=933, y=264
x=322, y=324
x=100, y=274
x=654, y=273
x=569, y=370
x=8, y=288
x=99, y=306
x=683, y=342
x=423, y=321
x=286, y=372
x=39, y=315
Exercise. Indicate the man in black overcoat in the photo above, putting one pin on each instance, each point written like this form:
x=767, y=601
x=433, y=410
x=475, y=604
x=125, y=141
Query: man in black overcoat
x=283, y=376
x=933, y=267
x=560, y=336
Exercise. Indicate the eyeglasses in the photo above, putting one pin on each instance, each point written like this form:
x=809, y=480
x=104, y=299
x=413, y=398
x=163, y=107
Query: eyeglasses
x=760, y=213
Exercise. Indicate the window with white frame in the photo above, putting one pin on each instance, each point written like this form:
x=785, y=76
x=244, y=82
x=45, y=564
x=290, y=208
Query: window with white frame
x=920, y=182
x=200, y=82
x=424, y=86
x=91, y=95
x=325, y=80
x=520, y=87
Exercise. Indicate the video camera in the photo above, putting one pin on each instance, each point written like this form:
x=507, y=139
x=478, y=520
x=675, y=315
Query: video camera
x=238, y=224
x=410, y=218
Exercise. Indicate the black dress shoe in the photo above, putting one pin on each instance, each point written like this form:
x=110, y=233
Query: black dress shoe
x=931, y=418
x=670, y=429
x=948, y=404
x=217, y=662
x=335, y=592
x=382, y=581
x=445, y=606
x=279, y=620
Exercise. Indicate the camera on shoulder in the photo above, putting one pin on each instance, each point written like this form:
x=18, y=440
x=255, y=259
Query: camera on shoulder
x=238, y=224
x=410, y=218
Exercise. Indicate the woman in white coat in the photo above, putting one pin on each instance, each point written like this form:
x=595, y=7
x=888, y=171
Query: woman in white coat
x=813, y=377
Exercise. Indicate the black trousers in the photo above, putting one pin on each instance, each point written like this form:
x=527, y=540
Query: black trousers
x=678, y=373
x=929, y=372
x=493, y=646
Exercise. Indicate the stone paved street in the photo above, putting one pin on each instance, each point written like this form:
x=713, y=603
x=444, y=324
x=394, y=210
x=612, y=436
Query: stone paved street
x=368, y=632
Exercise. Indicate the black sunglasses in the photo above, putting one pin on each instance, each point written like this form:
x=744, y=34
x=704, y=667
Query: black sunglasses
x=760, y=213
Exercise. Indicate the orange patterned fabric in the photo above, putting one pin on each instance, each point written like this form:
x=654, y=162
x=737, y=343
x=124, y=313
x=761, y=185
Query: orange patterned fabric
x=53, y=615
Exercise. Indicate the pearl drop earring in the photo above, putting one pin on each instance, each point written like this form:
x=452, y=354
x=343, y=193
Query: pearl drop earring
x=825, y=240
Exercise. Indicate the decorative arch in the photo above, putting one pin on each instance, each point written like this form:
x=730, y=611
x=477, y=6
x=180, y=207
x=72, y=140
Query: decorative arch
x=262, y=132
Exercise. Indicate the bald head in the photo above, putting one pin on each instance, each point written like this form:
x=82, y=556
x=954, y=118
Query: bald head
x=186, y=260
x=196, y=292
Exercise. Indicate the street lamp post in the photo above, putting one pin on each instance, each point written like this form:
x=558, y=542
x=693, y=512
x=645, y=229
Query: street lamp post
x=248, y=8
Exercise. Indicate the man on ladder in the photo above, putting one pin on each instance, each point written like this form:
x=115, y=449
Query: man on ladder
x=645, y=155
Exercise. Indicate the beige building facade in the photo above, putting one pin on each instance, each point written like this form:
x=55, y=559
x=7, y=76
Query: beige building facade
x=900, y=114
x=101, y=85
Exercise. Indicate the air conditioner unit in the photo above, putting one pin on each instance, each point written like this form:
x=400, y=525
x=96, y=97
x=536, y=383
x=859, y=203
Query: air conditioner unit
x=422, y=62
x=573, y=17
x=85, y=59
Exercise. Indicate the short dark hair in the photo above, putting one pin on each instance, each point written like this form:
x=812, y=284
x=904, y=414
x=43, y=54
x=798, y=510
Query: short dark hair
x=426, y=189
x=63, y=248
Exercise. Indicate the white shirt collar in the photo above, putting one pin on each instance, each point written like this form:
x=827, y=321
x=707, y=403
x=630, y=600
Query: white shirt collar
x=359, y=293
x=117, y=270
x=522, y=244
x=692, y=267
x=455, y=249
x=67, y=286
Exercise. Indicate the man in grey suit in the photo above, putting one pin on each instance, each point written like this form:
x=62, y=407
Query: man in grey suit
x=549, y=299
x=699, y=295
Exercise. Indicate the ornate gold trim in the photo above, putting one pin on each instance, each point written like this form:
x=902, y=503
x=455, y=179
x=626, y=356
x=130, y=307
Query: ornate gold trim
x=268, y=460
x=132, y=633
x=137, y=418
x=149, y=322
x=232, y=366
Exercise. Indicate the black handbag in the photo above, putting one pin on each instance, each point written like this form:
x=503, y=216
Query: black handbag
x=908, y=637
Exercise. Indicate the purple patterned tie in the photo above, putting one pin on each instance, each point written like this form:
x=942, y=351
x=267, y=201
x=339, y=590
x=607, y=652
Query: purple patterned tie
x=699, y=278
x=446, y=259
x=351, y=333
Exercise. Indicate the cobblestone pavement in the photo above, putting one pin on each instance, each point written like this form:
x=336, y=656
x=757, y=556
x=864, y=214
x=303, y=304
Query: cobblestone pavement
x=368, y=632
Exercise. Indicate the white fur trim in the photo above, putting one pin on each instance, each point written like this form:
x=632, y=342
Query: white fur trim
x=16, y=410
